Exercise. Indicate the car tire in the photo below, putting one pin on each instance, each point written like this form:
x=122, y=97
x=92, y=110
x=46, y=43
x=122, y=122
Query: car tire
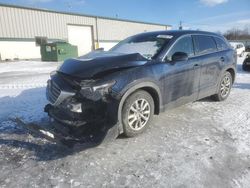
x=137, y=113
x=224, y=87
x=244, y=66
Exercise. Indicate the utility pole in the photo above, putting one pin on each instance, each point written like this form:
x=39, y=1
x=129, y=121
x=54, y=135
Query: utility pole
x=180, y=26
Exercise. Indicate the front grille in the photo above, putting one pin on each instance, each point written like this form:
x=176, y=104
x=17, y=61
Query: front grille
x=53, y=91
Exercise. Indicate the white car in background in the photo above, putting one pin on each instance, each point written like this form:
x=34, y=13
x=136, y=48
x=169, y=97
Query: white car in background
x=239, y=47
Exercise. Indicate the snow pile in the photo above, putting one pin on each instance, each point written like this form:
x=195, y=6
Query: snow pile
x=22, y=90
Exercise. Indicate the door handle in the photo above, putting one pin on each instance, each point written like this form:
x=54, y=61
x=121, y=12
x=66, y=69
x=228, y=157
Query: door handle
x=196, y=65
x=222, y=59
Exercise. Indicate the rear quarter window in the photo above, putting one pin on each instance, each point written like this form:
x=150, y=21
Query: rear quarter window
x=204, y=44
x=221, y=44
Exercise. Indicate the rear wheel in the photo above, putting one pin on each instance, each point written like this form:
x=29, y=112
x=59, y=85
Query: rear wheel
x=224, y=88
x=137, y=113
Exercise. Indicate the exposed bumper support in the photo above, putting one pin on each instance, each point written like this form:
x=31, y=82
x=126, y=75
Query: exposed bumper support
x=58, y=134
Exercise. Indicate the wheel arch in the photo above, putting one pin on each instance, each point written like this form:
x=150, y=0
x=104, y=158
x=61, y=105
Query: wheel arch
x=149, y=87
x=154, y=94
x=232, y=72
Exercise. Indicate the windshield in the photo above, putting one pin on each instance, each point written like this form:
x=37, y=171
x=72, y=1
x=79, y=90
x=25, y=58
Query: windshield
x=147, y=46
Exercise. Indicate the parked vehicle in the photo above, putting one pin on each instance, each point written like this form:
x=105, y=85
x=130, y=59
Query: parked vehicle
x=246, y=63
x=247, y=48
x=141, y=76
x=239, y=47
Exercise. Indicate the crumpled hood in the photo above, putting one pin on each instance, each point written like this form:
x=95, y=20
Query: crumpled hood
x=94, y=63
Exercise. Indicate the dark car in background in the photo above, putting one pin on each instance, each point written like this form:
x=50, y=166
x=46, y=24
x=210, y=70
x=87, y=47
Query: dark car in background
x=141, y=76
x=246, y=63
x=247, y=48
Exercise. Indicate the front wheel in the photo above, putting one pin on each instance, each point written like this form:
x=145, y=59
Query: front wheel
x=224, y=88
x=137, y=113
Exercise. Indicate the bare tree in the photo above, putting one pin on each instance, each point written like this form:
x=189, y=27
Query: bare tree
x=238, y=34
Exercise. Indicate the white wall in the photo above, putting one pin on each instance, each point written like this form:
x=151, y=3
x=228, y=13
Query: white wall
x=27, y=23
x=19, y=49
x=106, y=45
x=28, y=50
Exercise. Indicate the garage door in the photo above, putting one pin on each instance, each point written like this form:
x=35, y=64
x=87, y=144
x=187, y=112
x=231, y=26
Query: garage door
x=81, y=36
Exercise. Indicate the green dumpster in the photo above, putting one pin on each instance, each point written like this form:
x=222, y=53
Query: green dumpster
x=58, y=51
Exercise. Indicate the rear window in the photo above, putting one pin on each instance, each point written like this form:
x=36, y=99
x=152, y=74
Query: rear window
x=204, y=44
x=221, y=45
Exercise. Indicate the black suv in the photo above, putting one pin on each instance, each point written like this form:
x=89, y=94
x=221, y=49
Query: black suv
x=141, y=76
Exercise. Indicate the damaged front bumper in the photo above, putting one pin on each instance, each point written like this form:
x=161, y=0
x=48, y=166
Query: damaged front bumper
x=82, y=107
x=77, y=117
x=77, y=114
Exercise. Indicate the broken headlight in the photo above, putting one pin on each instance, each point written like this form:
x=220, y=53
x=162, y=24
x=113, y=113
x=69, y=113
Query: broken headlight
x=95, y=91
x=104, y=86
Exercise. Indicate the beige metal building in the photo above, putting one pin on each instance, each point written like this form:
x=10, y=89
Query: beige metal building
x=20, y=25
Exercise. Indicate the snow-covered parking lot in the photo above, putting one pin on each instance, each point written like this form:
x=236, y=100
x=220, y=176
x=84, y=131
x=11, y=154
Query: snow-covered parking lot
x=202, y=144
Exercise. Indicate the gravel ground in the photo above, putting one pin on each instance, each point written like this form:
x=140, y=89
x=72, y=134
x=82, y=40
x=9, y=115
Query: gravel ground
x=201, y=144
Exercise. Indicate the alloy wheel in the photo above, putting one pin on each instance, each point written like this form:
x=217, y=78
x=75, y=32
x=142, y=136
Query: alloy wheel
x=139, y=114
x=225, y=86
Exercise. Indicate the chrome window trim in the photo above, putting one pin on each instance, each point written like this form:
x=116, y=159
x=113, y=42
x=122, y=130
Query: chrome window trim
x=196, y=55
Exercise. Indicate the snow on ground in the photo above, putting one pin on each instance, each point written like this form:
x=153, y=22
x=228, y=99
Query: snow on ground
x=25, y=74
x=22, y=89
x=201, y=144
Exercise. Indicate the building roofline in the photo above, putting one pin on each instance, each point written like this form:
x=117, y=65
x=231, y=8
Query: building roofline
x=79, y=14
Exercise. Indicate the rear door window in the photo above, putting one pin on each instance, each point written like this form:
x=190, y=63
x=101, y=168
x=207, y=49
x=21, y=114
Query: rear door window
x=221, y=45
x=204, y=44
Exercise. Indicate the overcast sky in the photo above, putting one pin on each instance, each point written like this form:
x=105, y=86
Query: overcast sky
x=212, y=15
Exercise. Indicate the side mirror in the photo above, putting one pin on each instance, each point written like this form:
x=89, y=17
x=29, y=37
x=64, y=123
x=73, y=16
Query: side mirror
x=179, y=56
